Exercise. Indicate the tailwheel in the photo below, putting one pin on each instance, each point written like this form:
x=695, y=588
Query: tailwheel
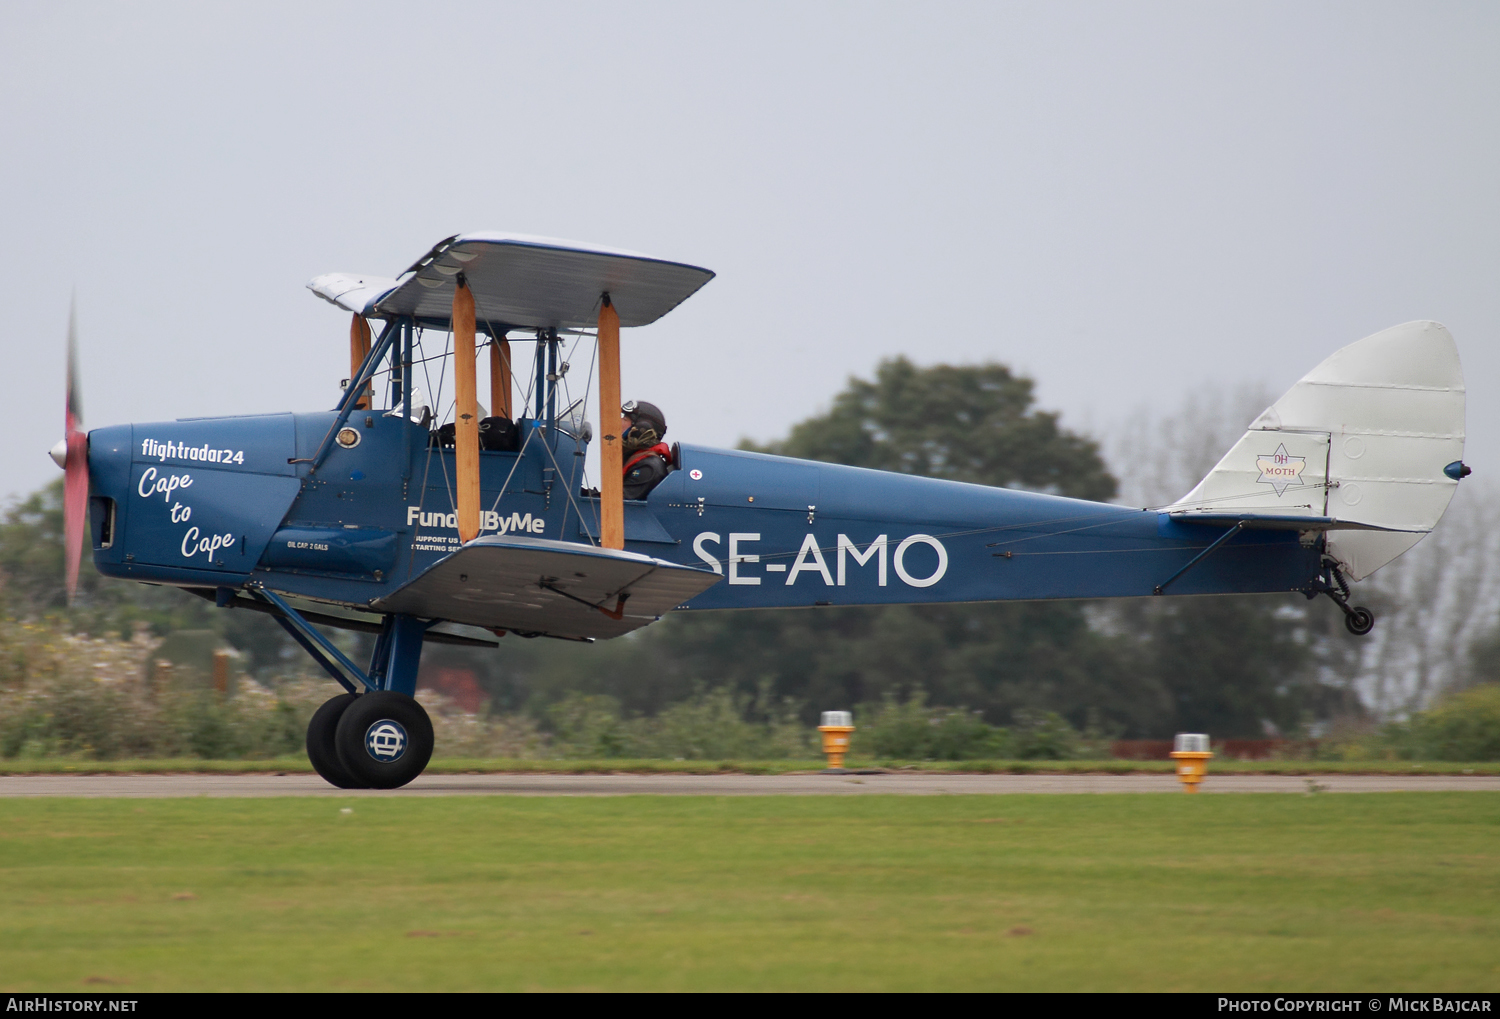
x=1358, y=620
x=321, y=750
x=384, y=739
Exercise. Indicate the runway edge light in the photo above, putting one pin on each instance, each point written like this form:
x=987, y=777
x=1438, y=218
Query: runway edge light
x=1191, y=754
x=836, y=727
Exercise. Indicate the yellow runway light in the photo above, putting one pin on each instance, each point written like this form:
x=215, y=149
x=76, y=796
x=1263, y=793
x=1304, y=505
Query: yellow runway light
x=836, y=727
x=1191, y=755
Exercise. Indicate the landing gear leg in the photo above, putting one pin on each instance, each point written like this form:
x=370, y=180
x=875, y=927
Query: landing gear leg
x=384, y=738
x=380, y=739
x=1358, y=620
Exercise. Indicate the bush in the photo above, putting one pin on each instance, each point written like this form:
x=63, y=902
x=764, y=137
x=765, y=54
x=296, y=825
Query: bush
x=66, y=695
x=62, y=694
x=915, y=732
x=589, y=726
x=462, y=733
x=72, y=695
x=712, y=725
x=69, y=695
x=1464, y=726
x=1045, y=736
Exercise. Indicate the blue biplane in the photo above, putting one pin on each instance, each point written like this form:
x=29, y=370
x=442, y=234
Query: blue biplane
x=378, y=516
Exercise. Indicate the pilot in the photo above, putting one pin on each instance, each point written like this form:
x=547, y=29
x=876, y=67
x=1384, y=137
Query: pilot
x=647, y=458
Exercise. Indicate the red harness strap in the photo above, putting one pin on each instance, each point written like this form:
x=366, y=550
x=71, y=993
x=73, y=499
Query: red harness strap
x=661, y=449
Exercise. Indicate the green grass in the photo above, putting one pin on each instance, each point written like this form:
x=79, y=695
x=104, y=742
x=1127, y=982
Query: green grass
x=1162, y=892
x=468, y=765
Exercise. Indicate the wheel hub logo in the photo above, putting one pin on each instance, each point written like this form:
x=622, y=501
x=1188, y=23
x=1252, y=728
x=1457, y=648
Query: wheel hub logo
x=386, y=741
x=1280, y=469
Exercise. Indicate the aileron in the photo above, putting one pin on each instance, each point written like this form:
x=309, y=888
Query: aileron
x=535, y=585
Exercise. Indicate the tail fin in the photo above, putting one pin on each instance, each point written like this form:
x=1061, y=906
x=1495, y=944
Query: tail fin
x=1367, y=446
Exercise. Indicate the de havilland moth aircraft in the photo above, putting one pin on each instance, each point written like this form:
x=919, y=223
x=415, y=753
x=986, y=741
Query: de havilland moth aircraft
x=381, y=517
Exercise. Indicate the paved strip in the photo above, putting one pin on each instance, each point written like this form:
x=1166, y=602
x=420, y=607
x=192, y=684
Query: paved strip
x=140, y=786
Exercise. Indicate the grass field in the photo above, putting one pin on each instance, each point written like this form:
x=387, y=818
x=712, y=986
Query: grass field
x=1162, y=892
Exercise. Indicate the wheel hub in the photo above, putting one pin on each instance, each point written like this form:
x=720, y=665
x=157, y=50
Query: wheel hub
x=386, y=741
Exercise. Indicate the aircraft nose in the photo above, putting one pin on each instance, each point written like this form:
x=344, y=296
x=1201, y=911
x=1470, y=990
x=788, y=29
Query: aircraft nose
x=59, y=453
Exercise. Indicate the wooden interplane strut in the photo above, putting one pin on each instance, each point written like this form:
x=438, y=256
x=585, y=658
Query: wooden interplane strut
x=500, y=377
x=611, y=457
x=359, y=349
x=466, y=412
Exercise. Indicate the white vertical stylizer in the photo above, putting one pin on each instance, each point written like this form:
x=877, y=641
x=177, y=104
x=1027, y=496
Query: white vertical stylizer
x=1363, y=439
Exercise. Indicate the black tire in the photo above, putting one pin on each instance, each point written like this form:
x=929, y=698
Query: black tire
x=321, y=749
x=1359, y=620
x=384, y=739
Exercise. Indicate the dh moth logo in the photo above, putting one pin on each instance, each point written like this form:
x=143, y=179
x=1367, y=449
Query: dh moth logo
x=1280, y=469
x=386, y=741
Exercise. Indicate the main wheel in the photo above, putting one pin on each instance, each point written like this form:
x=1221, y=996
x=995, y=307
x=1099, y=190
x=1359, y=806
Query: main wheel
x=1359, y=621
x=384, y=739
x=320, y=742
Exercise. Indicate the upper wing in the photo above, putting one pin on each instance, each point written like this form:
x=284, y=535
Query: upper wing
x=351, y=291
x=521, y=282
x=558, y=588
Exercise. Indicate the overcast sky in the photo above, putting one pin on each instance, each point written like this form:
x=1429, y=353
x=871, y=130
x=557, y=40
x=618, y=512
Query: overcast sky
x=1124, y=200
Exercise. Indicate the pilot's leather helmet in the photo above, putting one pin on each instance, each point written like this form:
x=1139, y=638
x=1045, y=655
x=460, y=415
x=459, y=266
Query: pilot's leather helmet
x=647, y=424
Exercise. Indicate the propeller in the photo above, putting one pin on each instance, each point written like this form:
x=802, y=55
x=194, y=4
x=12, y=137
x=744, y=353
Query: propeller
x=74, y=461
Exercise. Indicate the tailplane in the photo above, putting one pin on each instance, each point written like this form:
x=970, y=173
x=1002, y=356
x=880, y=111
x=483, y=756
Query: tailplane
x=1368, y=447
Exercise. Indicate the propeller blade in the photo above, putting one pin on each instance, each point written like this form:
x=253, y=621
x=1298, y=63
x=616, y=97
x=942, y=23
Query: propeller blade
x=75, y=466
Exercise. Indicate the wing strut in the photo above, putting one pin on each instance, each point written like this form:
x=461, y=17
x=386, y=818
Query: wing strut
x=500, y=376
x=359, y=349
x=611, y=461
x=466, y=413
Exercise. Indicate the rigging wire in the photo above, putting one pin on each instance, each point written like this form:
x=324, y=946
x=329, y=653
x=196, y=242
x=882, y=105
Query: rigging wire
x=427, y=460
x=531, y=396
x=1325, y=485
x=572, y=476
x=573, y=479
x=1026, y=525
x=765, y=556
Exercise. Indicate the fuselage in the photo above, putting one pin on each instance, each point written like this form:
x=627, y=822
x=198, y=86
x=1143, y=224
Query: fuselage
x=222, y=502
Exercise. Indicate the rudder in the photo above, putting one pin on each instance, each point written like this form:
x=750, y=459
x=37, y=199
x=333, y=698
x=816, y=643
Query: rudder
x=1362, y=439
